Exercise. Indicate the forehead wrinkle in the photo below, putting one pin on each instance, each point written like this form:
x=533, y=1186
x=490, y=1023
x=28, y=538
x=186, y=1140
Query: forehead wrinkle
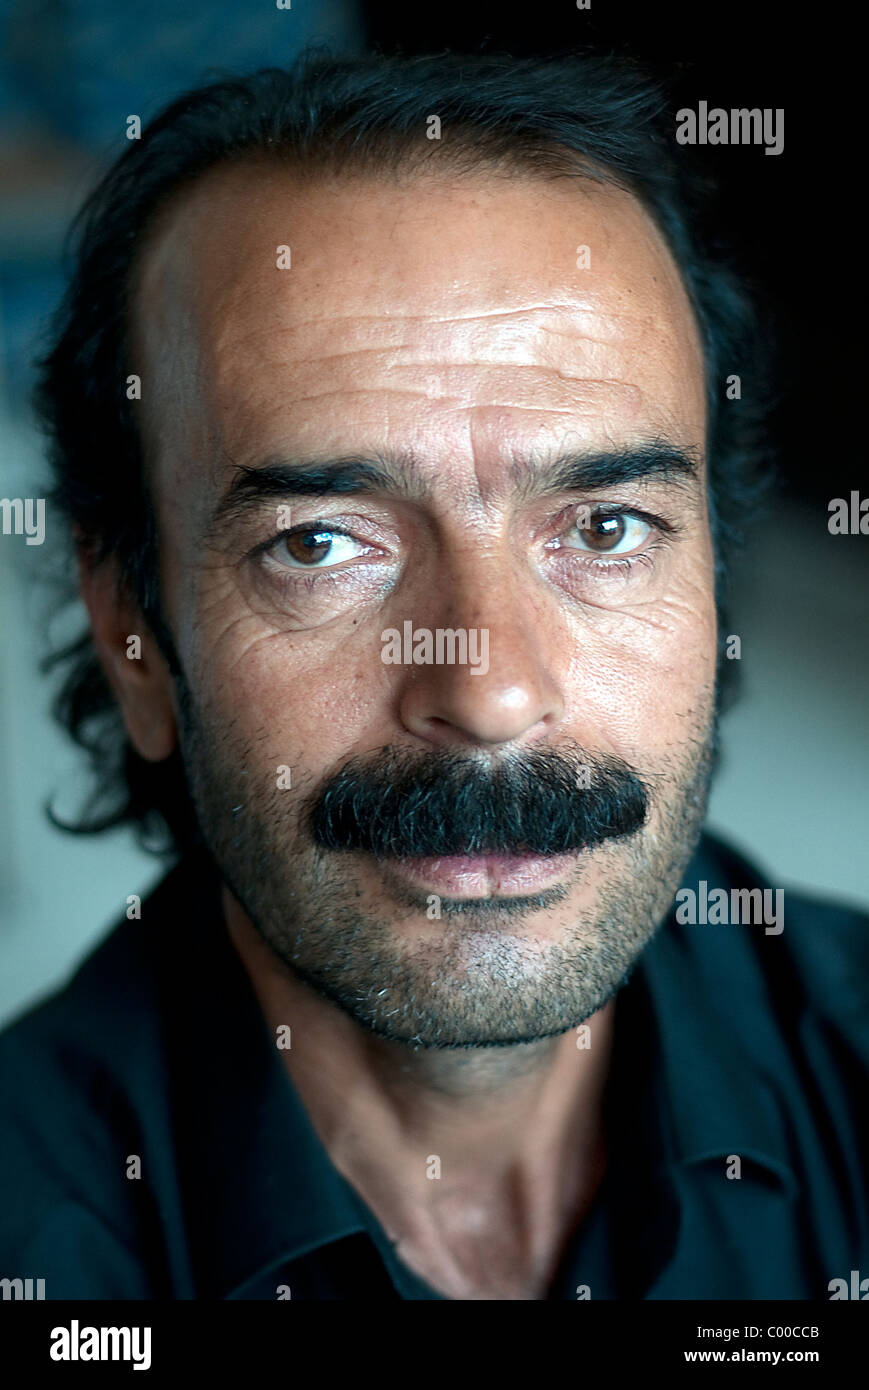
x=209, y=302
x=607, y=330
x=587, y=387
x=392, y=327
x=468, y=377
x=397, y=318
x=408, y=356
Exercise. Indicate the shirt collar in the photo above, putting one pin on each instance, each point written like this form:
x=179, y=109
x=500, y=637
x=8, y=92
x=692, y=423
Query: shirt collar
x=715, y=1034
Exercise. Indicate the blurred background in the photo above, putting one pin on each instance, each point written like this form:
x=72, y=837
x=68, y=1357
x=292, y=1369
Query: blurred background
x=791, y=792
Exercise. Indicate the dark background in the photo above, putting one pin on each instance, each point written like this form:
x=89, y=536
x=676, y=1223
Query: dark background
x=793, y=217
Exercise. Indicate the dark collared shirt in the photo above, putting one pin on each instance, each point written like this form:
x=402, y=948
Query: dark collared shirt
x=152, y=1144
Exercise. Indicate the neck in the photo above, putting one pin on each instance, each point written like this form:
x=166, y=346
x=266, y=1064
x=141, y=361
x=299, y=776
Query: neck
x=513, y=1134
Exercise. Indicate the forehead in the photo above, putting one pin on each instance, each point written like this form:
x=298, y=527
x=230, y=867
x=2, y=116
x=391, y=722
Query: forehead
x=463, y=319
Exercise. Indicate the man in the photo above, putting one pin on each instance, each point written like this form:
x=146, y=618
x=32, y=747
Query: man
x=388, y=411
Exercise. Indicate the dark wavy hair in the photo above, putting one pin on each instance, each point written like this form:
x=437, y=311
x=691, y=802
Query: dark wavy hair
x=585, y=115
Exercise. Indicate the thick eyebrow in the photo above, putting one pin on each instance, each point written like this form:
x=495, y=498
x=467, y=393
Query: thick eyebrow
x=590, y=472
x=399, y=475
x=280, y=479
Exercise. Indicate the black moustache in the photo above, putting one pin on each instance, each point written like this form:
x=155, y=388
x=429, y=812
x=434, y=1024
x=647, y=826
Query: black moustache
x=541, y=802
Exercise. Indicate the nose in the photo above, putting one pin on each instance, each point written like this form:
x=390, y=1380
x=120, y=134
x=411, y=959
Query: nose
x=511, y=695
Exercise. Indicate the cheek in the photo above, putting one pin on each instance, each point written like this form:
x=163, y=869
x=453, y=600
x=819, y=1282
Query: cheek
x=643, y=681
x=293, y=701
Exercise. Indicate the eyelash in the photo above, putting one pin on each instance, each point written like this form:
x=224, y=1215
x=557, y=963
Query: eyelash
x=613, y=563
x=619, y=565
x=610, y=564
x=296, y=581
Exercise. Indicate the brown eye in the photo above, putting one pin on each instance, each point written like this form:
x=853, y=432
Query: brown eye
x=316, y=547
x=308, y=547
x=604, y=532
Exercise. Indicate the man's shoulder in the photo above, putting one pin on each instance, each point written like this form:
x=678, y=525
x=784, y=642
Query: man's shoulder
x=120, y=978
x=759, y=1019
x=818, y=950
x=106, y=995
x=78, y=1071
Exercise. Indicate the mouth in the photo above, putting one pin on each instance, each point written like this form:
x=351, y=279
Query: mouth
x=467, y=876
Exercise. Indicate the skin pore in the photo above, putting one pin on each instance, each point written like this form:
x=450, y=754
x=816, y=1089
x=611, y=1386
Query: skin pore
x=442, y=325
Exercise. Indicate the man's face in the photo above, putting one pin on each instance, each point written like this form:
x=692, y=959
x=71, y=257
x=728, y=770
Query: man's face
x=453, y=336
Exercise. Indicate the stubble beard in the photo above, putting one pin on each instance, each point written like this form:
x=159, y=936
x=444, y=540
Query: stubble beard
x=477, y=977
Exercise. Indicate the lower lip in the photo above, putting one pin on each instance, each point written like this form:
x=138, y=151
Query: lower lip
x=484, y=876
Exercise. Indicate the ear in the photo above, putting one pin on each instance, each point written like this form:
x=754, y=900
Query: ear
x=133, y=663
